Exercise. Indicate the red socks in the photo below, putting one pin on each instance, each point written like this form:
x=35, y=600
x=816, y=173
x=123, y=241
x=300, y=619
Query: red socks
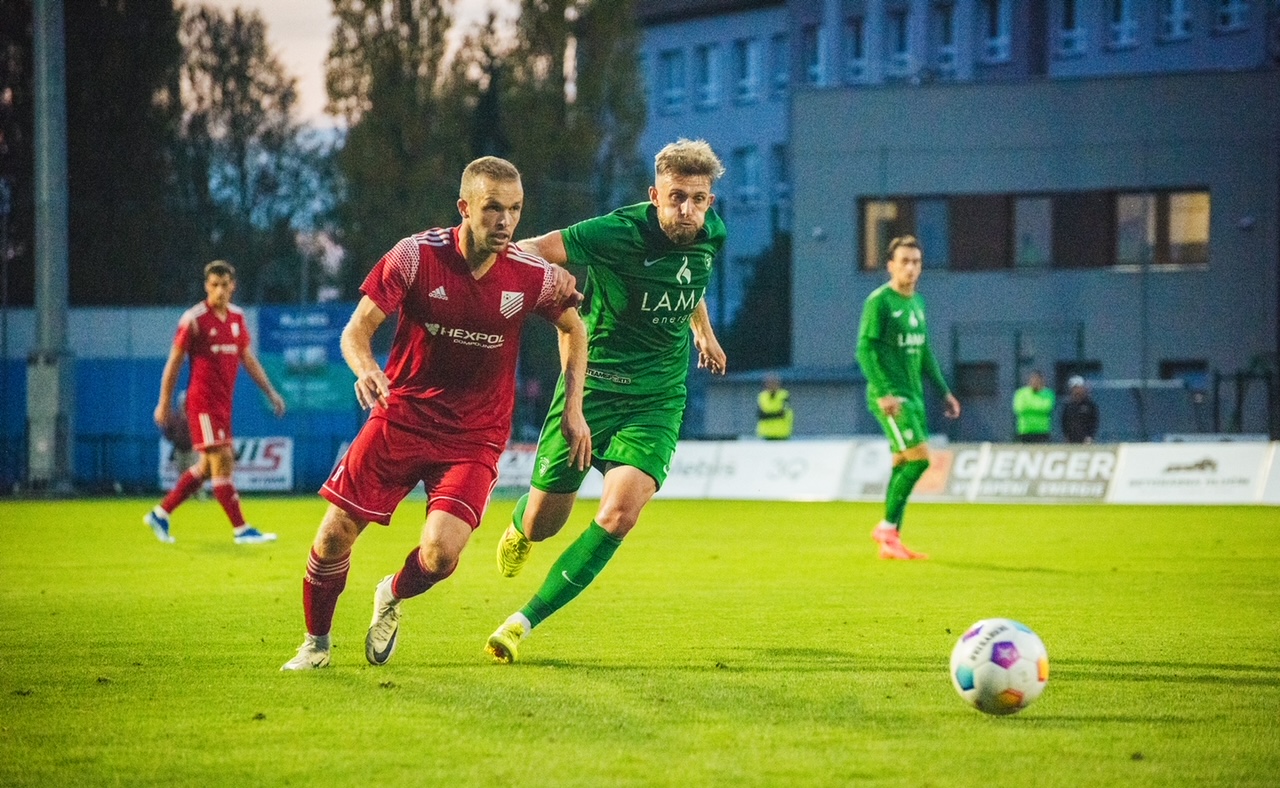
x=188, y=483
x=225, y=491
x=412, y=579
x=321, y=587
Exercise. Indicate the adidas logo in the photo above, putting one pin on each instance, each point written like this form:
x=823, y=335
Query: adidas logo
x=439, y=293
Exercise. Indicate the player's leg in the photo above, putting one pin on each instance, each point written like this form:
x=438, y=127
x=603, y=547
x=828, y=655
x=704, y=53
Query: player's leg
x=626, y=491
x=222, y=464
x=907, y=440
x=543, y=511
x=189, y=483
x=638, y=456
x=323, y=583
x=457, y=496
x=443, y=537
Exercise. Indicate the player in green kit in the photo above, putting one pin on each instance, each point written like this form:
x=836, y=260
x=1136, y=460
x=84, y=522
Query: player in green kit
x=893, y=351
x=648, y=266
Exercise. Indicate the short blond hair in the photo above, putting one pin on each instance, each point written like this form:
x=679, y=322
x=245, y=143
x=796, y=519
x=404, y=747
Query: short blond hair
x=688, y=158
x=491, y=167
x=909, y=241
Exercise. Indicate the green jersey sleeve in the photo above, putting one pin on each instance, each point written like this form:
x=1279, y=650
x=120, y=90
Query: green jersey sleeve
x=870, y=333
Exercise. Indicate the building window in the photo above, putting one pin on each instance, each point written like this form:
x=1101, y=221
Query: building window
x=1032, y=232
x=706, y=79
x=944, y=40
x=977, y=378
x=855, y=49
x=779, y=64
x=1071, y=36
x=1175, y=20
x=980, y=228
x=814, y=62
x=1162, y=228
x=1083, y=229
x=1122, y=28
x=898, y=44
x=1231, y=16
x=671, y=77
x=997, y=24
x=746, y=166
x=1188, y=229
x=882, y=221
x=780, y=161
x=746, y=69
x=1194, y=373
x=933, y=230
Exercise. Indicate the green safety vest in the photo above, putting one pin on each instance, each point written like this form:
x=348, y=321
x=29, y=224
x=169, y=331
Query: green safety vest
x=774, y=417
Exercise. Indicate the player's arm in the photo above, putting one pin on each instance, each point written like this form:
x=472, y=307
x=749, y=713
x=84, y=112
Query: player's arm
x=868, y=354
x=573, y=365
x=951, y=407
x=259, y=375
x=550, y=247
x=710, y=355
x=372, y=384
x=168, y=380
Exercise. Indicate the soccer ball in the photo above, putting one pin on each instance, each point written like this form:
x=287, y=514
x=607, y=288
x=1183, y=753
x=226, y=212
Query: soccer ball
x=999, y=666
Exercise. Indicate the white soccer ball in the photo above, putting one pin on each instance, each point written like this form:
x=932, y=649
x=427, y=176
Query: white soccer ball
x=999, y=666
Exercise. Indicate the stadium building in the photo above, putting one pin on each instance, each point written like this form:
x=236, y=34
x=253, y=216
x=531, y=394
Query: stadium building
x=1096, y=187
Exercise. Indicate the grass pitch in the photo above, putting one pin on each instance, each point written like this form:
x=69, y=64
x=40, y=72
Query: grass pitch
x=727, y=643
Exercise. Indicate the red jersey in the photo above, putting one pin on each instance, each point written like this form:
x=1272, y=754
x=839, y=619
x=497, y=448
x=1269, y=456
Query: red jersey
x=453, y=360
x=214, y=345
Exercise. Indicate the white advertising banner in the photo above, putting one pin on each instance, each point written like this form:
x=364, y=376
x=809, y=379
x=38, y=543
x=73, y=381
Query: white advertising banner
x=515, y=468
x=1190, y=473
x=996, y=472
x=693, y=467
x=795, y=470
x=867, y=473
x=262, y=464
x=1271, y=492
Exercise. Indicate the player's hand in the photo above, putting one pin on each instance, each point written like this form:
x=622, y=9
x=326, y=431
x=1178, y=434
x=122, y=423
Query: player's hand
x=277, y=403
x=710, y=355
x=372, y=387
x=578, y=435
x=566, y=287
x=890, y=405
x=161, y=415
x=951, y=407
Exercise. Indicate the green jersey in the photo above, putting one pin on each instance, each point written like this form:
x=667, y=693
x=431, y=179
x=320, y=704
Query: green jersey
x=641, y=290
x=893, y=346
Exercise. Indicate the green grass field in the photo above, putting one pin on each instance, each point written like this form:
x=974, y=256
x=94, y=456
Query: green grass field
x=727, y=644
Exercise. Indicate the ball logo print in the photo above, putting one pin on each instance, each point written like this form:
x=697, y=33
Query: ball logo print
x=999, y=666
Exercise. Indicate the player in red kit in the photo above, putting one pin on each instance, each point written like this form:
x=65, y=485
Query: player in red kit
x=214, y=335
x=441, y=412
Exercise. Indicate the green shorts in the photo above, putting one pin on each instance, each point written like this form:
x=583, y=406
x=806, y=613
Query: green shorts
x=626, y=429
x=907, y=429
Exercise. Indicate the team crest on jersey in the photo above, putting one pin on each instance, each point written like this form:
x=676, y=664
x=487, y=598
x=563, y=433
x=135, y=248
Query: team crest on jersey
x=512, y=302
x=913, y=321
x=235, y=330
x=684, y=276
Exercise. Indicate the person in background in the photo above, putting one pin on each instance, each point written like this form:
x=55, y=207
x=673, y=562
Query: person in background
x=1079, y=413
x=1033, y=408
x=774, y=417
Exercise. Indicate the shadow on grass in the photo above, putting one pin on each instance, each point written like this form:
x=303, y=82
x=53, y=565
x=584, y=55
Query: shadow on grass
x=1169, y=672
x=1028, y=570
x=765, y=660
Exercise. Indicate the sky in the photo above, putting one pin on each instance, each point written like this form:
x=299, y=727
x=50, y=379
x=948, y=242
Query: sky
x=299, y=30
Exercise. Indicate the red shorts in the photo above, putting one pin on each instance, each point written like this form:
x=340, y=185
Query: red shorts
x=385, y=462
x=209, y=429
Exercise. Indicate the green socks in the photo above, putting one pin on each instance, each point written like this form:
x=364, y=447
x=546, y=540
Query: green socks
x=517, y=517
x=901, y=482
x=573, y=571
